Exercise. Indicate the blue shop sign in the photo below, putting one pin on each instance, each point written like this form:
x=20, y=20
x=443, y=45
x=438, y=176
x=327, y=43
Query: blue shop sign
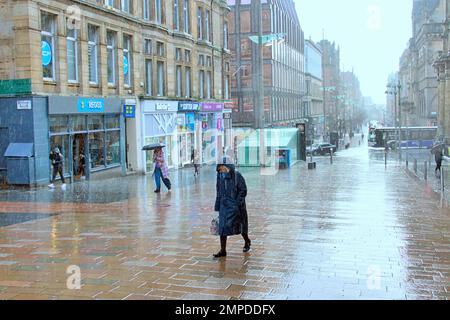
x=125, y=65
x=91, y=105
x=129, y=111
x=188, y=107
x=46, y=53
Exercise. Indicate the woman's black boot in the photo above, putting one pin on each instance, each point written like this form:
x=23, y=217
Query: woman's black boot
x=220, y=254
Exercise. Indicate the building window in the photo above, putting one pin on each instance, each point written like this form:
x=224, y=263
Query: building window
x=199, y=24
x=179, y=81
x=225, y=35
x=127, y=67
x=178, y=56
x=186, y=16
x=160, y=49
x=227, y=88
x=207, y=20
x=209, y=61
x=208, y=85
x=72, y=55
x=125, y=5
x=161, y=79
x=148, y=77
x=112, y=147
x=187, y=56
x=96, y=149
x=201, y=60
x=111, y=57
x=201, y=87
x=148, y=47
x=176, y=16
x=146, y=7
x=93, y=54
x=48, y=30
x=109, y=3
x=158, y=11
x=187, y=84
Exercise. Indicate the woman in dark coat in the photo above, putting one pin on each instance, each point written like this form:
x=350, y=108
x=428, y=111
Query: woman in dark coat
x=230, y=203
x=438, y=159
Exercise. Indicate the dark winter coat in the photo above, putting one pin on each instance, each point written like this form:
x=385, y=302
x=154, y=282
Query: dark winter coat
x=230, y=203
x=438, y=157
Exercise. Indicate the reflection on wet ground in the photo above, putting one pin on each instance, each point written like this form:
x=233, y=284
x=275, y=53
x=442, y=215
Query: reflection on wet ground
x=352, y=230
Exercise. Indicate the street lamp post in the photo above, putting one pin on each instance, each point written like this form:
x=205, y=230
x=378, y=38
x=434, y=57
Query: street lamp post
x=395, y=90
x=399, y=88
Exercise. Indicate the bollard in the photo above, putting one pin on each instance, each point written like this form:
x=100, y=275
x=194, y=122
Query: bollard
x=426, y=171
x=415, y=166
x=331, y=155
x=385, y=158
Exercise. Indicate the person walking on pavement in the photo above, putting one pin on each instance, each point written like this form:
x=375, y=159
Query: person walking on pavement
x=195, y=159
x=438, y=159
x=161, y=170
x=57, y=161
x=230, y=203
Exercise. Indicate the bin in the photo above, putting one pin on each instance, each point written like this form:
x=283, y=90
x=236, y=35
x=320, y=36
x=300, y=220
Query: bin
x=19, y=163
x=284, y=158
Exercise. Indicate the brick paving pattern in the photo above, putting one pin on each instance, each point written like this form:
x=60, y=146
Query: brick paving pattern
x=351, y=230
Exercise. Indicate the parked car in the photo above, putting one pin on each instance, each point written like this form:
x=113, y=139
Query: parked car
x=321, y=149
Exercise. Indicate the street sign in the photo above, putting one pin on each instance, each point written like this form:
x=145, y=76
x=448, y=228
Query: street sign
x=267, y=38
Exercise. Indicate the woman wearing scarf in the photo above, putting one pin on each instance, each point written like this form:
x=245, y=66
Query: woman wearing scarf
x=230, y=203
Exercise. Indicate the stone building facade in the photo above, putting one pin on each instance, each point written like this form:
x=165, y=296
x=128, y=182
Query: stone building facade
x=419, y=86
x=88, y=68
x=283, y=71
x=331, y=60
x=314, y=99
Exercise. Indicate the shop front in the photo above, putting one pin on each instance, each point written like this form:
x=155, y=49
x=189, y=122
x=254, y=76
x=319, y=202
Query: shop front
x=211, y=117
x=186, y=131
x=160, y=126
x=89, y=133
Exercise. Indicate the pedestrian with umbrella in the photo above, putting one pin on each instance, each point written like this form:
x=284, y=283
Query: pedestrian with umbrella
x=160, y=170
x=230, y=203
x=437, y=150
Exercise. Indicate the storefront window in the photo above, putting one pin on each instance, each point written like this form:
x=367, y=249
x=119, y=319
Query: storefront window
x=95, y=122
x=112, y=148
x=78, y=123
x=59, y=124
x=113, y=122
x=96, y=150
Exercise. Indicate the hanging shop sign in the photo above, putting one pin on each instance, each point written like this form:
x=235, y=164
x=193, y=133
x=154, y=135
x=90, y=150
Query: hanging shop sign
x=212, y=107
x=91, y=105
x=188, y=107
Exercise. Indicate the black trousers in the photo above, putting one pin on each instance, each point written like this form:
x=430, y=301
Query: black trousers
x=58, y=168
x=438, y=166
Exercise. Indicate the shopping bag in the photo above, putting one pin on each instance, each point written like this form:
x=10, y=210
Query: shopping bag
x=214, y=228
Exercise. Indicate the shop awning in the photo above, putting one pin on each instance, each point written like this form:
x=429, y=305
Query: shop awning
x=274, y=138
x=19, y=150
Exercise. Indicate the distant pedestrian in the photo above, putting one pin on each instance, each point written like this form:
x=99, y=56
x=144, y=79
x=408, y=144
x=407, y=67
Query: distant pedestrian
x=57, y=161
x=161, y=170
x=195, y=159
x=438, y=159
x=230, y=203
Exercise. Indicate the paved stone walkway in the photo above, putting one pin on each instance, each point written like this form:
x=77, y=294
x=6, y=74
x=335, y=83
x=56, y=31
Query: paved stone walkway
x=351, y=230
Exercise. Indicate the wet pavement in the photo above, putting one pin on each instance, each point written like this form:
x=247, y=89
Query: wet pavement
x=351, y=230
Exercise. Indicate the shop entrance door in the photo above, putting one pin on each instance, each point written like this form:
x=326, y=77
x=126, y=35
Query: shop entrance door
x=79, y=156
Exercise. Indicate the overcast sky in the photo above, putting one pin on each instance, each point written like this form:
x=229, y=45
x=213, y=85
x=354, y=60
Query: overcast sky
x=372, y=35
